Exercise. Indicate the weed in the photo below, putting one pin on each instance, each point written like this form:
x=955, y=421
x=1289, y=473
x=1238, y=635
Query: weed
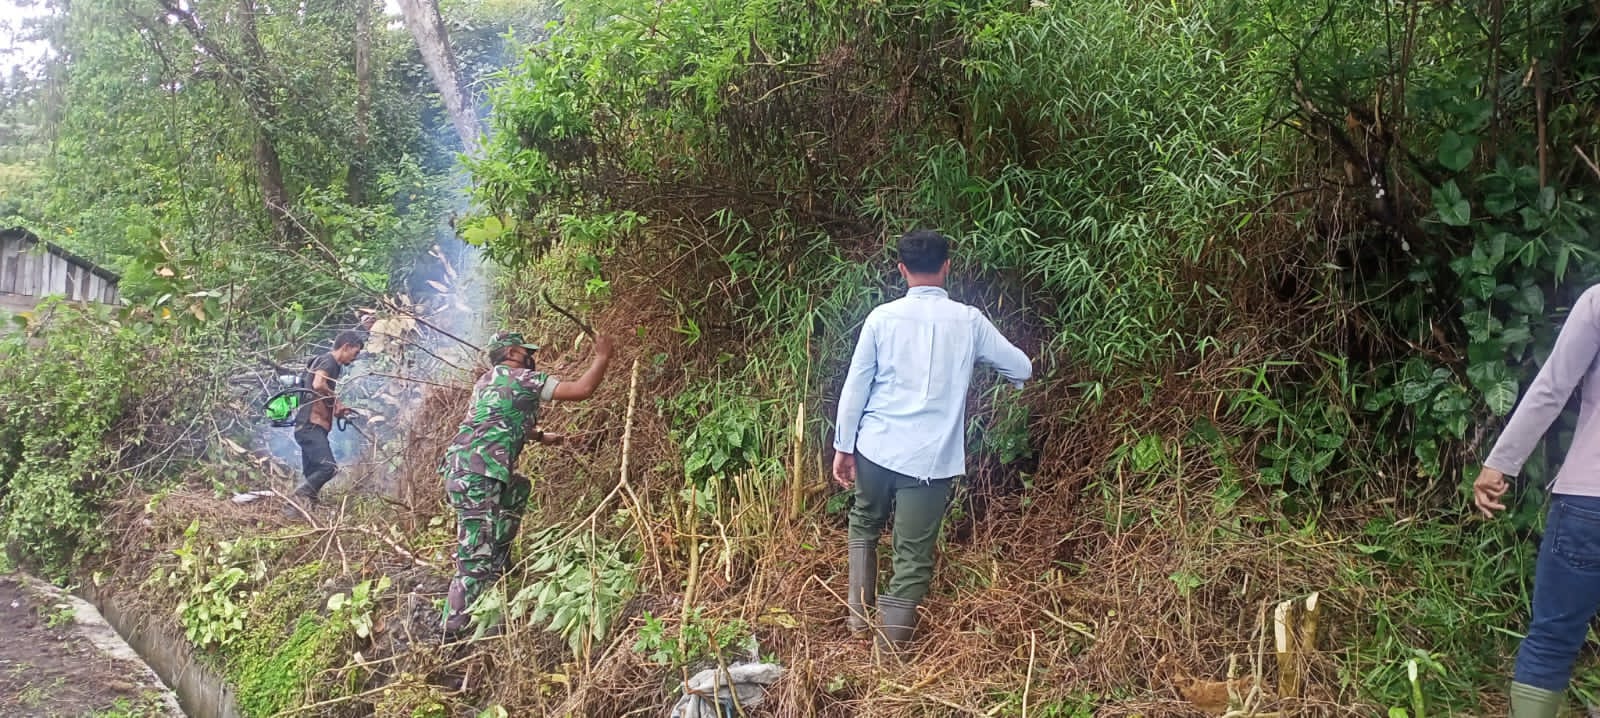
x=356, y=608
x=214, y=578
x=150, y=705
x=697, y=637
x=35, y=695
x=63, y=615
x=274, y=666
x=268, y=684
x=575, y=588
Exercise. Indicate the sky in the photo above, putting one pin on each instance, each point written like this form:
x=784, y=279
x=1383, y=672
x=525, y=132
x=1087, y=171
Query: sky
x=14, y=51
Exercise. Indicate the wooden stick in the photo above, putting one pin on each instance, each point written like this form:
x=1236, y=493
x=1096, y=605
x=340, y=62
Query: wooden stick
x=1234, y=699
x=1308, y=624
x=569, y=315
x=797, y=464
x=936, y=699
x=1027, y=683
x=1075, y=628
x=623, y=473
x=622, y=481
x=693, y=578
x=1592, y=166
x=1544, y=145
x=1284, y=635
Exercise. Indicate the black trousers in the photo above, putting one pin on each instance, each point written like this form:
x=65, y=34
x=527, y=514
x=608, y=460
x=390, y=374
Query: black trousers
x=316, y=459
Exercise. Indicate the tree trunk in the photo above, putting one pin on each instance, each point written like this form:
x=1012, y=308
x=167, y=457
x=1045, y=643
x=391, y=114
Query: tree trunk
x=427, y=26
x=259, y=94
x=269, y=174
x=250, y=75
x=363, y=60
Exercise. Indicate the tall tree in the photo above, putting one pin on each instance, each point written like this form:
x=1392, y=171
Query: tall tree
x=250, y=73
x=422, y=18
x=363, y=63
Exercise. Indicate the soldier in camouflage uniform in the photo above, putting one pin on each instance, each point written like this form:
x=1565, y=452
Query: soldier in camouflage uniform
x=479, y=469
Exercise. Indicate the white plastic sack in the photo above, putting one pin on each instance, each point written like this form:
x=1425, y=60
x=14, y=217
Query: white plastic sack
x=710, y=693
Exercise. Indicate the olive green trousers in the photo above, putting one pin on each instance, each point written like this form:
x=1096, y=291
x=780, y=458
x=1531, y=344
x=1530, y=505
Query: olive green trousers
x=918, y=508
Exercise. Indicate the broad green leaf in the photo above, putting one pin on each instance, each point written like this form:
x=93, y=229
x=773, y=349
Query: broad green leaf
x=1455, y=150
x=1453, y=208
x=1489, y=375
x=1500, y=203
x=1415, y=392
x=1480, y=286
x=1501, y=396
x=1532, y=218
x=1516, y=334
x=1481, y=325
x=1529, y=300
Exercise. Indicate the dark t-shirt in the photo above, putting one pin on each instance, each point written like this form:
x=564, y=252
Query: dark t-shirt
x=321, y=408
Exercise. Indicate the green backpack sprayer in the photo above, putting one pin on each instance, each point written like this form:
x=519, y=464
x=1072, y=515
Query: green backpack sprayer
x=281, y=408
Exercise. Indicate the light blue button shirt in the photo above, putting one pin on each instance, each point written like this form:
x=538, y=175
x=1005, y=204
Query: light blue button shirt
x=904, y=403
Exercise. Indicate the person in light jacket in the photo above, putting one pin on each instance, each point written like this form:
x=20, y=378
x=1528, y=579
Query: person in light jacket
x=900, y=430
x=1566, y=578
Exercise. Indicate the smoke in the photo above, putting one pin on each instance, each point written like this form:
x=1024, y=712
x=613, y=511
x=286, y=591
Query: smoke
x=431, y=331
x=426, y=334
x=433, y=339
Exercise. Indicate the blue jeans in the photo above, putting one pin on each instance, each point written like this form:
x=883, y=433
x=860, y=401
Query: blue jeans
x=1566, y=592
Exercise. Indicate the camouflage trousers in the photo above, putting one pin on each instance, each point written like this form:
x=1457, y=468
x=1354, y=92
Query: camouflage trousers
x=488, y=515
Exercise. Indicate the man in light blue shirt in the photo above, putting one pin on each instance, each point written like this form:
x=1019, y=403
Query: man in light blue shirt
x=901, y=426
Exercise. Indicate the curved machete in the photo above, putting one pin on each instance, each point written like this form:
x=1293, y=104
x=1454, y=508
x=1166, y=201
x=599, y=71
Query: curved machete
x=569, y=315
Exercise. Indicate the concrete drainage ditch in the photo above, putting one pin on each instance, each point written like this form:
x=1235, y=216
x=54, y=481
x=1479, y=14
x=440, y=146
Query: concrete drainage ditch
x=200, y=691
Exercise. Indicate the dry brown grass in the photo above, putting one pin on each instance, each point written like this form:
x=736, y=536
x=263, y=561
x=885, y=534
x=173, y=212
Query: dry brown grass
x=1074, y=592
x=1055, y=596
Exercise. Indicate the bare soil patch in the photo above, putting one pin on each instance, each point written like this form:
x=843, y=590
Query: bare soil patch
x=47, y=668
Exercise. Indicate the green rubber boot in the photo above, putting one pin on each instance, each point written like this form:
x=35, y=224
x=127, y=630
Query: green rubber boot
x=863, y=584
x=1530, y=702
x=897, y=618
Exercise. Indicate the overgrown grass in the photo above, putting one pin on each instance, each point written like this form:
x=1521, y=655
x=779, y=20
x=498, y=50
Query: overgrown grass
x=86, y=402
x=1255, y=384
x=1116, y=178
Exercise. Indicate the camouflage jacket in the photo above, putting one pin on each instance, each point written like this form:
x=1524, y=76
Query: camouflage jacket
x=505, y=406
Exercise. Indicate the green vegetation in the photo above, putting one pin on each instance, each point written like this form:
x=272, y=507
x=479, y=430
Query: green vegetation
x=1283, y=268
x=271, y=683
x=276, y=666
x=1308, y=250
x=151, y=707
x=574, y=588
x=75, y=437
x=695, y=640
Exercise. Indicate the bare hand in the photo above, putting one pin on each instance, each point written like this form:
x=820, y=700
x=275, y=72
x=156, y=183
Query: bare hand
x=345, y=412
x=551, y=438
x=604, y=344
x=844, y=469
x=1487, y=490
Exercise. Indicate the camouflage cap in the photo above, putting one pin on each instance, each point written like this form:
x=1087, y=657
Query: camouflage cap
x=505, y=340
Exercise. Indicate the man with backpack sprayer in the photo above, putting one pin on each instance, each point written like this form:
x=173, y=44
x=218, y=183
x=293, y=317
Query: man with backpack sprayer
x=902, y=420
x=479, y=467
x=315, y=417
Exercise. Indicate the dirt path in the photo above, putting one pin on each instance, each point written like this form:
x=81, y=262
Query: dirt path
x=55, y=663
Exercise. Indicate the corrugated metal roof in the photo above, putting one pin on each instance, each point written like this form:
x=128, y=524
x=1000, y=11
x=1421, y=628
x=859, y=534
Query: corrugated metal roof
x=51, y=247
